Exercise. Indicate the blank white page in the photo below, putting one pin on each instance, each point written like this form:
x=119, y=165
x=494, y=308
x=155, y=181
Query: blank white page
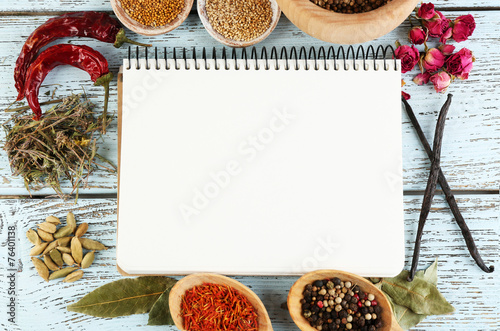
x=260, y=172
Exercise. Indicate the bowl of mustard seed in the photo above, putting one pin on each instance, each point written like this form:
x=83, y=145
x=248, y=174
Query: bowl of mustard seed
x=239, y=23
x=150, y=18
x=347, y=21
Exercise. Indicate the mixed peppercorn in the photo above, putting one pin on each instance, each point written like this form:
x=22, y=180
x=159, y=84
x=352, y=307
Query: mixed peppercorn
x=332, y=304
x=350, y=6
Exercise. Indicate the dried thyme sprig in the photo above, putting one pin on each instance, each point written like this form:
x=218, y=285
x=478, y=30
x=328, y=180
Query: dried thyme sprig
x=60, y=146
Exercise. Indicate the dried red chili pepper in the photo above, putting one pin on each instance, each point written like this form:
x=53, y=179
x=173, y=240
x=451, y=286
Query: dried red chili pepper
x=82, y=57
x=90, y=24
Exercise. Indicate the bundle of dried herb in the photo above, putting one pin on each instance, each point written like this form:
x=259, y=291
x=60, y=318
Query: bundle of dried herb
x=62, y=145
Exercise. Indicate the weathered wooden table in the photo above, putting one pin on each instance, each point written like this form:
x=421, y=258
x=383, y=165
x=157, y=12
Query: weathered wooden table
x=470, y=160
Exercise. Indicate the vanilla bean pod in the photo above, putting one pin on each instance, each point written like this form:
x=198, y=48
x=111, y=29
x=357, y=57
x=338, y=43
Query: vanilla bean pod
x=430, y=189
x=450, y=198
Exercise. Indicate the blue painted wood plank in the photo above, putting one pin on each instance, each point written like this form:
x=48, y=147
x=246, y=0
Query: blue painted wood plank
x=41, y=305
x=470, y=156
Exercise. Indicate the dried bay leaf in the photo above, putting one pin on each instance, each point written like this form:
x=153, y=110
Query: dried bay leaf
x=420, y=295
x=123, y=297
x=160, y=312
x=405, y=317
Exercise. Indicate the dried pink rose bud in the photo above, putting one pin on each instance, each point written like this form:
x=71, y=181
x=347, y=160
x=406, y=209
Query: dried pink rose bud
x=426, y=11
x=463, y=27
x=433, y=60
x=460, y=63
x=417, y=35
x=408, y=55
x=441, y=81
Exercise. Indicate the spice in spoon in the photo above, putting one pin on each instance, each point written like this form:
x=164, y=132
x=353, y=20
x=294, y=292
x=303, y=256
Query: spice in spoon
x=217, y=307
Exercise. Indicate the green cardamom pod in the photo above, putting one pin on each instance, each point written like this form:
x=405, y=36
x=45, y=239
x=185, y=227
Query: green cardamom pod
x=64, y=241
x=92, y=244
x=88, y=259
x=45, y=235
x=63, y=232
x=76, y=250
x=74, y=276
x=41, y=268
x=70, y=220
x=68, y=259
x=49, y=263
x=82, y=228
x=53, y=220
x=33, y=237
x=50, y=247
x=47, y=227
x=56, y=256
x=38, y=249
x=62, y=272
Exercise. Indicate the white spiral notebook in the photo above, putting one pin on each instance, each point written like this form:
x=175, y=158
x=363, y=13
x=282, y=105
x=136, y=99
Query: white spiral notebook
x=260, y=167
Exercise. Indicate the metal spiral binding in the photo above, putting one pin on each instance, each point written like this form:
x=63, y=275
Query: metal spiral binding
x=291, y=56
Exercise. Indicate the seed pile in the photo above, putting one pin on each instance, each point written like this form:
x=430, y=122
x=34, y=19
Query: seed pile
x=239, y=20
x=153, y=13
x=350, y=6
x=337, y=305
x=63, y=246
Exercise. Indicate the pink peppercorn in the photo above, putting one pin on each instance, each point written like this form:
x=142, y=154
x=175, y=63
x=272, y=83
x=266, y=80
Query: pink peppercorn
x=360, y=304
x=320, y=304
x=374, y=303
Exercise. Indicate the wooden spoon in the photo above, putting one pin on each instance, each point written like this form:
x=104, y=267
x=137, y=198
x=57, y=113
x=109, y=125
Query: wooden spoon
x=295, y=294
x=188, y=282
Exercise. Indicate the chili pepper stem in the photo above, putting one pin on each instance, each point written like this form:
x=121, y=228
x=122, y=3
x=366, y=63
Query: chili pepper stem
x=122, y=39
x=105, y=111
x=104, y=82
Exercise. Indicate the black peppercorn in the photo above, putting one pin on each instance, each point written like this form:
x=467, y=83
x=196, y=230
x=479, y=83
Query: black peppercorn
x=314, y=318
x=347, y=297
x=377, y=309
x=356, y=289
x=318, y=283
x=309, y=287
x=314, y=293
x=372, y=328
x=319, y=298
x=336, y=281
x=370, y=309
x=315, y=309
x=342, y=314
x=364, y=310
x=306, y=306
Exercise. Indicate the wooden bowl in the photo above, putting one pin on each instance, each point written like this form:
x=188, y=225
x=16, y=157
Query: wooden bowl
x=202, y=12
x=339, y=28
x=295, y=295
x=188, y=282
x=146, y=30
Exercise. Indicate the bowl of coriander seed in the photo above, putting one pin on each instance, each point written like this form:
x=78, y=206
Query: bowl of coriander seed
x=347, y=21
x=239, y=23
